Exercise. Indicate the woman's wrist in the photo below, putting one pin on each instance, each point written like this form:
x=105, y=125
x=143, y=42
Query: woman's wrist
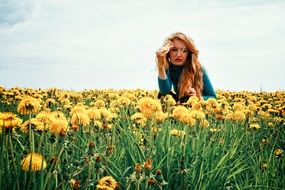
x=161, y=73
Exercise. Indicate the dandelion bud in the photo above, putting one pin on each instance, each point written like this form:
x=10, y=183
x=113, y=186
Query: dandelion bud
x=98, y=163
x=265, y=141
x=91, y=147
x=151, y=181
x=138, y=168
x=75, y=127
x=158, y=176
x=264, y=167
x=148, y=164
x=75, y=184
x=53, y=160
x=110, y=149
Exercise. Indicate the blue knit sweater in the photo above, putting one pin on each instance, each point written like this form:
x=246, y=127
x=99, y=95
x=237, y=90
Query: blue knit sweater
x=172, y=78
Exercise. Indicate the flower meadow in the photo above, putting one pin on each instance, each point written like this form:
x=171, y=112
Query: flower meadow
x=129, y=139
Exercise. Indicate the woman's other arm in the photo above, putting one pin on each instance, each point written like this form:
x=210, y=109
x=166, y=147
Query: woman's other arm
x=208, y=90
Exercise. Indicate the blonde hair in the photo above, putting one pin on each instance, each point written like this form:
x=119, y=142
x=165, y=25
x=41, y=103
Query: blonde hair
x=192, y=75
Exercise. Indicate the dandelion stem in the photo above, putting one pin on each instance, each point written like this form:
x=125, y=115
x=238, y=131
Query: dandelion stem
x=13, y=157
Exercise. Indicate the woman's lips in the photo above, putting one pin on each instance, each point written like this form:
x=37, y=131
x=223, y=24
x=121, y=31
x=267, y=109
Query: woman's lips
x=178, y=59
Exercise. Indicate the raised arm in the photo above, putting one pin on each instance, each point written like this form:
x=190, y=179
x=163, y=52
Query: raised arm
x=164, y=82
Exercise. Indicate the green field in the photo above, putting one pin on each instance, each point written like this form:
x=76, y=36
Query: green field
x=129, y=139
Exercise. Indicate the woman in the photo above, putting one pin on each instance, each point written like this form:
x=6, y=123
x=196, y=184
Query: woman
x=178, y=66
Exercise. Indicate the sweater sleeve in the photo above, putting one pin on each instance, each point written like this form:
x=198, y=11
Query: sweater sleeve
x=165, y=84
x=208, y=90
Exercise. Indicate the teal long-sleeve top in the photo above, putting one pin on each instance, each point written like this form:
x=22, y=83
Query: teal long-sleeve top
x=172, y=76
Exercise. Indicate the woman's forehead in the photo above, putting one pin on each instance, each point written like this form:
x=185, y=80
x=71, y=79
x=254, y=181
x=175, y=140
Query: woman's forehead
x=178, y=43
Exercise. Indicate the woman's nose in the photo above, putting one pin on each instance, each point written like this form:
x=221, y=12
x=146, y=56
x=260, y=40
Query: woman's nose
x=179, y=52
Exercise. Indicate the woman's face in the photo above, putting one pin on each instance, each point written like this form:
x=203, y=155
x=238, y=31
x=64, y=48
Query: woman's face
x=178, y=53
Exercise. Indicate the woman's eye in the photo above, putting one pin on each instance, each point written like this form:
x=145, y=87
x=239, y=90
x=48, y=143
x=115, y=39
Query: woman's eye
x=185, y=50
x=174, y=50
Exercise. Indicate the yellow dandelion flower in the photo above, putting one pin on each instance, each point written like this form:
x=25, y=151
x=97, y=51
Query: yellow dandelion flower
x=99, y=104
x=187, y=119
x=238, y=106
x=252, y=107
x=238, y=116
x=177, y=133
x=98, y=124
x=139, y=118
x=192, y=100
x=263, y=114
x=170, y=100
x=45, y=117
x=49, y=102
x=212, y=102
x=254, y=126
x=67, y=105
x=39, y=126
x=273, y=111
x=29, y=105
x=114, y=104
x=106, y=183
x=105, y=113
x=197, y=105
x=178, y=111
x=160, y=116
x=78, y=108
x=9, y=120
x=35, y=125
x=80, y=118
x=199, y=115
x=111, y=117
x=278, y=152
x=33, y=161
x=130, y=96
x=204, y=123
x=248, y=113
x=149, y=106
x=266, y=106
x=123, y=101
x=58, y=126
x=94, y=113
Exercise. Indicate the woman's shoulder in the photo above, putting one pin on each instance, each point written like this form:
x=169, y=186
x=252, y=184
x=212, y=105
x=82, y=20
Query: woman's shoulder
x=203, y=69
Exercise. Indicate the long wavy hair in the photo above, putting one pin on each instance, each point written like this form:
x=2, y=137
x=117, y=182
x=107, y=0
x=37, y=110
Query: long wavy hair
x=192, y=74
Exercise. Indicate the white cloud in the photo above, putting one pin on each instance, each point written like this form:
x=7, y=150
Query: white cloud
x=15, y=11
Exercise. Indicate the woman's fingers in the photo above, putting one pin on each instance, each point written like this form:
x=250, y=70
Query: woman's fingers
x=164, y=49
x=192, y=92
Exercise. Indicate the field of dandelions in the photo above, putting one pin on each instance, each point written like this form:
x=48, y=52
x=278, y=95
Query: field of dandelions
x=129, y=139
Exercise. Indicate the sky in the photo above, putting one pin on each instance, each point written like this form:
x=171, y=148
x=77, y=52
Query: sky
x=111, y=44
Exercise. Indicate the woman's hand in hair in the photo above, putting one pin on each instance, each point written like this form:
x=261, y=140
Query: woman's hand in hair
x=161, y=54
x=191, y=92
